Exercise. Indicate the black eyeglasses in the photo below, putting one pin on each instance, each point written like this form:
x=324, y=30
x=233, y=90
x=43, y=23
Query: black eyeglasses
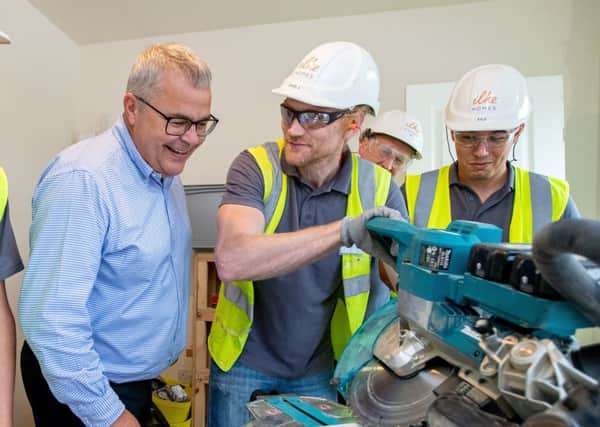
x=310, y=119
x=177, y=126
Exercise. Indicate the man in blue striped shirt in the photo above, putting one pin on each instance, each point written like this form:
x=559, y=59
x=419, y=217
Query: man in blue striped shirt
x=105, y=296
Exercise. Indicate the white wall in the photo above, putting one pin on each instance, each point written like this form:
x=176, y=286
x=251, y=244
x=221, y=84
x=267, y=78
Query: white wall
x=582, y=102
x=51, y=90
x=540, y=37
x=36, y=120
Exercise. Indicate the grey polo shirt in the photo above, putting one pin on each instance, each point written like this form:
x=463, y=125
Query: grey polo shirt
x=497, y=209
x=290, y=335
x=10, y=260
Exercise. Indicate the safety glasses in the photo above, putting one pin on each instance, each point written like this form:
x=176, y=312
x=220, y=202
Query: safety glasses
x=386, y=154
x=494, y=140
x=310, y=119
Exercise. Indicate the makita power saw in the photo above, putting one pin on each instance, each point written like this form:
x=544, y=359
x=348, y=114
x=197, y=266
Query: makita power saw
x=481, y=332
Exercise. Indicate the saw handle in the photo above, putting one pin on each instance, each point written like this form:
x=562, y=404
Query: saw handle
x=553, y=249
x=397, y=233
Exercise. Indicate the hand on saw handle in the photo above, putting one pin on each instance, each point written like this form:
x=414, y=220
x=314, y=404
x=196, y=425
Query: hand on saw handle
x=354, y=232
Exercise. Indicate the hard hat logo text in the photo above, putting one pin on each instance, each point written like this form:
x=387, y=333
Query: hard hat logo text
x=309, y=64
x=308, y=67
x=484, y=102
x=413, y=126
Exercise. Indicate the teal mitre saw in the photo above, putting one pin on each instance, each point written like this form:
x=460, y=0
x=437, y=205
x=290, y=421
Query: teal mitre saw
x=477, y=335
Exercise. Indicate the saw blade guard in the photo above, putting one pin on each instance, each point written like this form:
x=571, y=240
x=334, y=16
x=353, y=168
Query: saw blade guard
x=359, y=350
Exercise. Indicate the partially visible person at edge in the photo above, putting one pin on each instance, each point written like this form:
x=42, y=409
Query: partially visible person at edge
x=292, y=243
x=486, y=114
x=393, y=141
x=10, y=263
x=104, y=300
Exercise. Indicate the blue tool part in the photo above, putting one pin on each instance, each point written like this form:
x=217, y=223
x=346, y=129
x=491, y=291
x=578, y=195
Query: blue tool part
x=559, y=318
x=294, y=413
x=323, y=418
x=435, y=285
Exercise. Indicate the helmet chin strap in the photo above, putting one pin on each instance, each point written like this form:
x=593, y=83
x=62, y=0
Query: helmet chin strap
x=514, y=157
x=448, y=145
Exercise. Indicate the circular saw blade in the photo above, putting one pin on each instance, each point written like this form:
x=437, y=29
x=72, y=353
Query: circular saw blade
x=381, y=398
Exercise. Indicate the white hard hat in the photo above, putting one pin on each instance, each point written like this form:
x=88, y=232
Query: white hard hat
x=336, y=75
x=400, y=125
x=4, y=39
x=489, y=97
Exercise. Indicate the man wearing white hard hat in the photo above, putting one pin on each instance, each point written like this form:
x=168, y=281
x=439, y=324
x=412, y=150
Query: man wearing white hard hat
x=392, y=141
x=292, y=245
x=485, y=116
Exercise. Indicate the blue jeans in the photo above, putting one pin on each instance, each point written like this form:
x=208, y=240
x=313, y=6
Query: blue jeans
x=228, y=392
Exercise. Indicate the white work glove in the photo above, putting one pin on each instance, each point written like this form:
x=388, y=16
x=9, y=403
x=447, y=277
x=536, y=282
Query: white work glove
x=354, y=232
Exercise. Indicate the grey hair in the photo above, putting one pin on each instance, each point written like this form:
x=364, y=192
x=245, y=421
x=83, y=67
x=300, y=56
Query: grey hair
x=367, y=133
x=144, y=77
x=363, y=108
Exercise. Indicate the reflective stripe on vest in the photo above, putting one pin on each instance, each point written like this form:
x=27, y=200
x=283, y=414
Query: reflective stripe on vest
x=538, y=200
x=234, y=312
x=3, y=192
x=373, y=184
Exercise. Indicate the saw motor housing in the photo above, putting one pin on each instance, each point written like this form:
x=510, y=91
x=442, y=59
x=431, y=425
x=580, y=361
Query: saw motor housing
x=477, y=305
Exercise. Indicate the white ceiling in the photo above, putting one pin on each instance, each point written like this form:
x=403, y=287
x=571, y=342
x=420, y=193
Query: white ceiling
x=97, y=21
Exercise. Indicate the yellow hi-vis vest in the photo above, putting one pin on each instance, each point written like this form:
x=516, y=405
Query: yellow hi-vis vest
x=3, y=192
x=538, y=200
x=235, y=310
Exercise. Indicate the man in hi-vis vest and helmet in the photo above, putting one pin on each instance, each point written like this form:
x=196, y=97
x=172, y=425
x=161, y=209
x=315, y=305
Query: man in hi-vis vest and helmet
x=485, y=116
x=292, y=245
x=392, y=141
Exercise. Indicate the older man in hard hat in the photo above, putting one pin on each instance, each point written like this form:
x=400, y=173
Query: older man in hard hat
x=485, y=116
x=392, y=141
x=292, y=244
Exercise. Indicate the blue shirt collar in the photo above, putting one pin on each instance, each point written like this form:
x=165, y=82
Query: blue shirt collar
x=124, y=137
